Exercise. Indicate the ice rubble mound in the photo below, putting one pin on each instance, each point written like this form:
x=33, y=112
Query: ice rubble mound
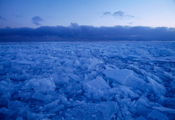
x=87, y=81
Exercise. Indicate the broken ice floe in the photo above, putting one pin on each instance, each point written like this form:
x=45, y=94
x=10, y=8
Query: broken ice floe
x=105, y=81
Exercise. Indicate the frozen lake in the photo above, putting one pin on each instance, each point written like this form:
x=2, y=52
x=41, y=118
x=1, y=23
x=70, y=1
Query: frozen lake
x=87, y=81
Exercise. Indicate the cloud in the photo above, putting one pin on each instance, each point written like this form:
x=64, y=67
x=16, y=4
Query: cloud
x=87, y=33
x=129, y=16
x=121, y=14
x=36, y=20
x=2, y=18
x=118, y=14
x=106, y=13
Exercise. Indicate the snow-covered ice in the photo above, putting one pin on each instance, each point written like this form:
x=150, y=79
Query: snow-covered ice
x=87, y=81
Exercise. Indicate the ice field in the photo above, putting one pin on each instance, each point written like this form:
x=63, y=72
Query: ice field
x=87, y=81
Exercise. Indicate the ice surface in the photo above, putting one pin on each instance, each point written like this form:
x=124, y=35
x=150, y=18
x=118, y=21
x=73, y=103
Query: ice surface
x=43, y=88
x=156, y=115
x=91, y=111
x=124, y=77
x=127, y=92
x=165, y=110
x=157, y=88
x=95, y=89
x=119, y=76
x=100, y=81
x=142, y=106
x=140, y=118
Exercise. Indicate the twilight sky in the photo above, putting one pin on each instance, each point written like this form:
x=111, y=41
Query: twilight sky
x=87, y=20
x=36, y=13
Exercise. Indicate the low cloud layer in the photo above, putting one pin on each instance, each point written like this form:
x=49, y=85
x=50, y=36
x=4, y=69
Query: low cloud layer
x=87, y=33
x=37, y=20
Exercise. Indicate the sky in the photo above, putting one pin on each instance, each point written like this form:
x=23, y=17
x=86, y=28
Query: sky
x=87, y=19
x=36, y=13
